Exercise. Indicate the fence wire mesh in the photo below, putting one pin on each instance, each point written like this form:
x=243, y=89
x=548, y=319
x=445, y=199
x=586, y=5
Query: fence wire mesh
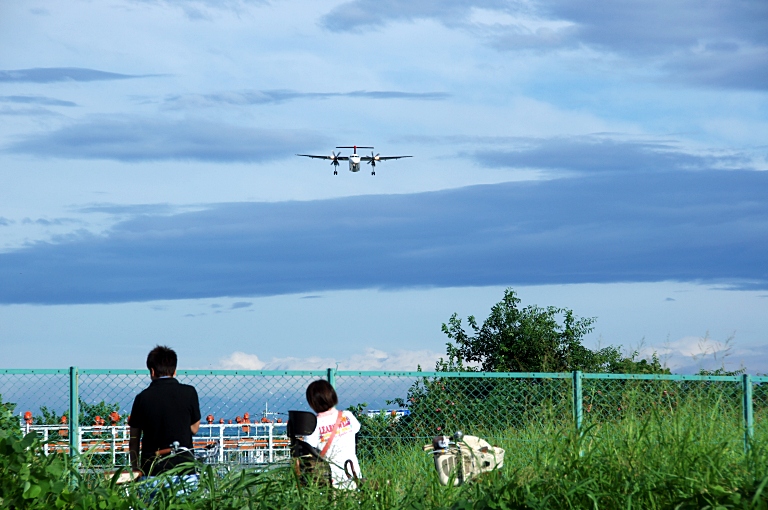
x=41, y=392
x=244, y=413
x=714, y=406
x=760, y=406
x=402, y=412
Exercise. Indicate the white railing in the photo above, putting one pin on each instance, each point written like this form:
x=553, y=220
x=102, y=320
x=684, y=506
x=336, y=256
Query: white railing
x=236, y=443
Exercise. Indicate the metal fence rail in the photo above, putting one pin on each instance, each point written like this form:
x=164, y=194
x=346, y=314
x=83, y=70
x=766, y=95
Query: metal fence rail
x=244, y=411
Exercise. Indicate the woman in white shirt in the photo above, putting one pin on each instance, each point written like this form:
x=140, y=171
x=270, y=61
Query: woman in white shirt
x=334, y=435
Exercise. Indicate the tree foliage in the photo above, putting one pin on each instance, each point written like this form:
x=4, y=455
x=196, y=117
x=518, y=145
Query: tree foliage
x=8, y=421
x=532, y=339
x=86, y=416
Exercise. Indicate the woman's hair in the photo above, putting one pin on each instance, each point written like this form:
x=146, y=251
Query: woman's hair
x=162, y=360
x=321, y=396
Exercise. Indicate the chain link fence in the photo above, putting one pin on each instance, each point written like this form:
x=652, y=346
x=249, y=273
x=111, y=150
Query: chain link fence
x=244, y=412
x=759, y=400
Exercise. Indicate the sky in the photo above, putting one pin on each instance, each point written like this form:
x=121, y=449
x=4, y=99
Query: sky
x=606, y=158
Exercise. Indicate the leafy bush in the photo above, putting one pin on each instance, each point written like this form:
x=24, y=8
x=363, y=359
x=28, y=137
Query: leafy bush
x=7, y=420
x=28, y=478
x=86, y=417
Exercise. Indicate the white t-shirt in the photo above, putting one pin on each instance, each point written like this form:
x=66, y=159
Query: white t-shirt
x=342, y=448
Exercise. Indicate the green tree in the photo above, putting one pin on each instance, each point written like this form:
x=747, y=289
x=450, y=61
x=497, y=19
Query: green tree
x=532, y=339
x=88, y=412
x=47, y=417
x=618, y=364
x=86, y=417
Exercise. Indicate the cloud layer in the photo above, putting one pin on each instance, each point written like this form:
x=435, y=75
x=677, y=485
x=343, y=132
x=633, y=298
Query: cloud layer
x=150, y=139
x=256, y=97
x=606, y=227
x=594, y=155
x=370, y=359
x=690, y=354
x=40, y=100
x=716, y=44
x=54, y=74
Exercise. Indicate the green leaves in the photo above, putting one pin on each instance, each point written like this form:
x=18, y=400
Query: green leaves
x=532, y=339
x=30, y=491
x=28, y=477
x=514, y=339
x=87, y=415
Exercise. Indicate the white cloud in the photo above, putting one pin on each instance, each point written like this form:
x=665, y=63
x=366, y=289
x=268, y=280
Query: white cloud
x=689, y=354
x=374, y=359
x=686, y=355
x=697, y=347
x=370, y=359
x=241, y=361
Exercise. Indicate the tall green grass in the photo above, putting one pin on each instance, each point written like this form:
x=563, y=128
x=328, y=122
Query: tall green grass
x=655, y=457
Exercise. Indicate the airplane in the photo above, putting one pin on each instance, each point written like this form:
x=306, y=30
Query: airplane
x=354, y=158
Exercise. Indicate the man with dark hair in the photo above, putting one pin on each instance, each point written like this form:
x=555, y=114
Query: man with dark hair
x=165, y=412
x=162, y=361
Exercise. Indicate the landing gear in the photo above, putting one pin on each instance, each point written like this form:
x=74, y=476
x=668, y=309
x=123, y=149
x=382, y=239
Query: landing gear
x=335, y=172
x=373, y=172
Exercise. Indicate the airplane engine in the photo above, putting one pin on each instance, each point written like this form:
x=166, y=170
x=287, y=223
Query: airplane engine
x=372, y=162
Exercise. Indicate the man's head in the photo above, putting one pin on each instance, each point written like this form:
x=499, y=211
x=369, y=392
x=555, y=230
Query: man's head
x=321, y=396
x=161, y=361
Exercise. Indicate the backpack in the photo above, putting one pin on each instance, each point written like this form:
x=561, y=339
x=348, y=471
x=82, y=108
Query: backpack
x=464, y=459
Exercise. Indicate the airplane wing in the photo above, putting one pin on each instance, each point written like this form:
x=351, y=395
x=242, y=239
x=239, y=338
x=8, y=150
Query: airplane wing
x=382, y=158
x=340, y=158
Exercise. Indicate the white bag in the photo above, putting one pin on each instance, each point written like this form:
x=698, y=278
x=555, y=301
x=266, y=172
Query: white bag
x=463, y=460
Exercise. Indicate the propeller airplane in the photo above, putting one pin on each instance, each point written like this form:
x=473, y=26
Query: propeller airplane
x=354, y=159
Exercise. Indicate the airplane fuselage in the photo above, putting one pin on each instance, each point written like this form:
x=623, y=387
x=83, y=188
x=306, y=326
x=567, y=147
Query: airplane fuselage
x=354, y=163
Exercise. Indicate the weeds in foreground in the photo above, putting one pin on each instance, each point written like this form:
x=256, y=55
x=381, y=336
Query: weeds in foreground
x=657, y=460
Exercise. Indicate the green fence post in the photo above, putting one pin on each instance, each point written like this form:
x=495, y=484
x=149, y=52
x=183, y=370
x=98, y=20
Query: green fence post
x=746, y=385
x=578, y=400
x=332, y=377
x=74, y=413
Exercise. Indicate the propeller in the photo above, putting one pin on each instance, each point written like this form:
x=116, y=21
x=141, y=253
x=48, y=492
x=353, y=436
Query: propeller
x=335, y=162
x=373, y=160
x=335, y=158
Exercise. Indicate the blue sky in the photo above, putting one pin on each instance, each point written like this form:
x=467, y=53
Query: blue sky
x=606, y=158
